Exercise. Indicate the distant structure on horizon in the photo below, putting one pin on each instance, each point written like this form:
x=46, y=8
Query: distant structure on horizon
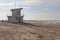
x=16, y=16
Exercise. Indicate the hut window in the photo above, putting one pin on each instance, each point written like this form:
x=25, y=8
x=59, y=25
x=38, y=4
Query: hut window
x=17, y=18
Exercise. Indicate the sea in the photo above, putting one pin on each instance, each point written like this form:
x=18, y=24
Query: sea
x=42, y=21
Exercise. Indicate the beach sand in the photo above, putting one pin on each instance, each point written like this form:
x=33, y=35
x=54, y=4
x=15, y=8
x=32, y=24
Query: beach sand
x=11, y=31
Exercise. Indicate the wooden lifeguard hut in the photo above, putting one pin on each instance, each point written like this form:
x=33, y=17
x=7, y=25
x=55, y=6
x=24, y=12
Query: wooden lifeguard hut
x=16, y=15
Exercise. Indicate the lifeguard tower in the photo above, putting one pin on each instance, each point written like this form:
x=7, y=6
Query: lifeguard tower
x=16, y=15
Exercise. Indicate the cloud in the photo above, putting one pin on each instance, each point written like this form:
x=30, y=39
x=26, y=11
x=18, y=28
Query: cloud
x=29, y=2
x=53, y=1
x=38, y=2
x=26, y=4
x=7, y=5
x=3, y=16
x=44, y=4
x=32, y=2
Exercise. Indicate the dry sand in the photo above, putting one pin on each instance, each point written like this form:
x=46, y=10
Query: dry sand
x=9, y=31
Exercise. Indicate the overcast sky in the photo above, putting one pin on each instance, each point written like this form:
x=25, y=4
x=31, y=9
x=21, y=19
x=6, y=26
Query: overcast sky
x=32, y=9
